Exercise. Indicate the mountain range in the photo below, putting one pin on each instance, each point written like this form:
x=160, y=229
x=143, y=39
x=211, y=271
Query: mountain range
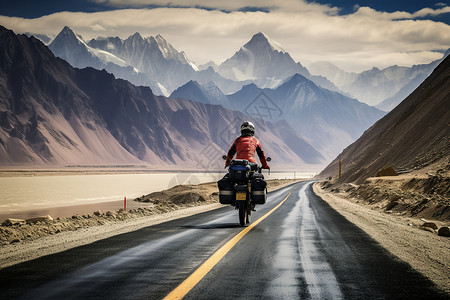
x=148, y=61
x=329, y=120
x=412, y=136
x=52, y=113
x=384, y=88
x=154, y=62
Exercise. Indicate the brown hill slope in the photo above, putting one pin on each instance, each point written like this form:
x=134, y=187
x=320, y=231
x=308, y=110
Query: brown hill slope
x=412, y=136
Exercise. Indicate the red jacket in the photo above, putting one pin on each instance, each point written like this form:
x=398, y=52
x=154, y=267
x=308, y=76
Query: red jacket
x=245, y=147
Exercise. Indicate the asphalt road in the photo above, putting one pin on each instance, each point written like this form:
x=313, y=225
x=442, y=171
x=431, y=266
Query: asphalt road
x=303, y=249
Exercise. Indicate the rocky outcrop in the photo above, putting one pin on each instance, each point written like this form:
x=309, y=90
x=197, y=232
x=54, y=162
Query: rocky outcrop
x=39, y=219
x=12, y=222
x=444, y=231
x=388, y=171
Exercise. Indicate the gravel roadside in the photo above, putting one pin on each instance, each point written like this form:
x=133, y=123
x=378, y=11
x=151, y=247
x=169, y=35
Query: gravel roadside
x=424, y=251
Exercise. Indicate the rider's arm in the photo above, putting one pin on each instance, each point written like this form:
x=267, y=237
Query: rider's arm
x=231, y=153
x=262, y=156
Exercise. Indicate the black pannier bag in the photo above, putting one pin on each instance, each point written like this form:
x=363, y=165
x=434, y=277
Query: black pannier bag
x=257, y=175
x=258, y=186
x=226, y=190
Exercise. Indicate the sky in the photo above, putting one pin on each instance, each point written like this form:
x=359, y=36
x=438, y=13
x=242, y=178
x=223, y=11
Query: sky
x=354, y=35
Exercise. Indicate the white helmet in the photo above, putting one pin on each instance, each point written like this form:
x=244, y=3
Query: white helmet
x=247, y=128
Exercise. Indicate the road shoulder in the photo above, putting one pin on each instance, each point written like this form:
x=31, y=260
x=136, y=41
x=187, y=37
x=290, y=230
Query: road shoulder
x=424, y=251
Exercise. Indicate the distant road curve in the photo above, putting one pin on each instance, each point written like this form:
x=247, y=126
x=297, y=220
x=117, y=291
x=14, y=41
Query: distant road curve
x=302, y=249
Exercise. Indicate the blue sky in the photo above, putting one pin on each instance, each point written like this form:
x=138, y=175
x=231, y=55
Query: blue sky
x=355, y=35
x=410, y=6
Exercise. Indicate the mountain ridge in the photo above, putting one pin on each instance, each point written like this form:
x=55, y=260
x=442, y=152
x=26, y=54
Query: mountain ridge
x=375, y=86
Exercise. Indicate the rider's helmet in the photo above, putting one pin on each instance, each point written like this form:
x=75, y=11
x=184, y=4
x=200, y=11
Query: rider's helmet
x=247, y=129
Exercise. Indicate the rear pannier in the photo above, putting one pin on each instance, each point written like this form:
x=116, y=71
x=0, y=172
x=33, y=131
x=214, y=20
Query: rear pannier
x=226, y=190
x=259, y=190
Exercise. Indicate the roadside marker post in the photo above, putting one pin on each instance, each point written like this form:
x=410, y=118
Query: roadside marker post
x=124, y=203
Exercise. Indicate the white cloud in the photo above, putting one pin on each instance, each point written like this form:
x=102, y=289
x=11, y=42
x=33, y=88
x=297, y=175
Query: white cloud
x=398, y=15
x=229, y=5
x=309, y=32
x=431, y=12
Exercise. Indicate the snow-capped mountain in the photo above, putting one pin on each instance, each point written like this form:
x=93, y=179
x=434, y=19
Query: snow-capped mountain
x=162, y=63
x=211, y=64
x=137, y=51
x=150, y=61
x=260, y=58
x=169, y=52
x=72, y=48
x=266, y=63
x=52, y=113
x=154, y=62
x=391, y=102
x=374, y=86
x=153, y=56
x=336, y=75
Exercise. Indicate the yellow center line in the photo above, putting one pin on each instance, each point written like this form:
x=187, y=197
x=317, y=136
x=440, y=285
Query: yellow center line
x=191, y=281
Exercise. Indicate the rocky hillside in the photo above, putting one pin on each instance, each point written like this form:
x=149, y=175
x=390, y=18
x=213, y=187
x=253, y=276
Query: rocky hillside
x=412, y=136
